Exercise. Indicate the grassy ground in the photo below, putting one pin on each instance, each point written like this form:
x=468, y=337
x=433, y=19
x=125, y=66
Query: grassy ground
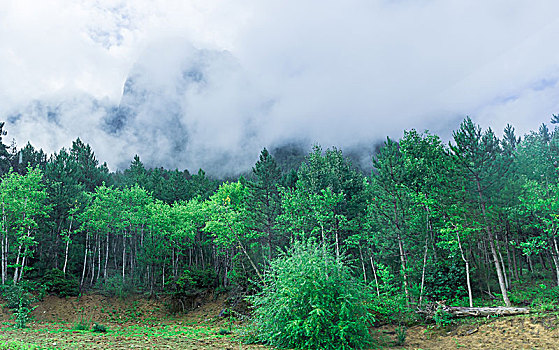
x=140, y=323
x=57, y=335
x=131, y=323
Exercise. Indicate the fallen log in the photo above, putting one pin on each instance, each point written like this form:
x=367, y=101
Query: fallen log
x=459, y=311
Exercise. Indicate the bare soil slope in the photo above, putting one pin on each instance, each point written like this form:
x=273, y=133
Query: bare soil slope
x=518, y=332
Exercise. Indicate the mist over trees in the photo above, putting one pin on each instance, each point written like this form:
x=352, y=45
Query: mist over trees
x=432, y=221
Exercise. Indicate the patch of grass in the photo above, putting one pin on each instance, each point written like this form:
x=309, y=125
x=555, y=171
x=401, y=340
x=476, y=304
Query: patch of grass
x=82, y=325
x=45, y=335
x=99, y=328
x=16, y=345
x=401, y=333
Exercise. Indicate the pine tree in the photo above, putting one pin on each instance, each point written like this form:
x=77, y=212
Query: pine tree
x=479, y=156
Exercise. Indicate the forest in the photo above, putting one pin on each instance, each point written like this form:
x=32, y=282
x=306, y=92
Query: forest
x=458, y=222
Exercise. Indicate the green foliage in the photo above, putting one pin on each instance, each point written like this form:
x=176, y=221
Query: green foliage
x=82, y=325
x=15, y=345
x=389, y=305
x=114, y=286
x=203, y=278
x=430, y=221
x=445, y=280
x=99, y=328
x=55, y=282
x=22, y=315
x=401, y=333
x=441, y=317
x=18, y=300
x=193, y=280
x=542, y=296
x=238, y=275
x=22, y=202
x=310, y=300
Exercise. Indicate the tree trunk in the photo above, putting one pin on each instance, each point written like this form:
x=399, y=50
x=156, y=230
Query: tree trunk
x=362, y=263
x=66, y=255
x=470, y=297
x=404, y=272
x=375, y=275
x=123, y=255
x=499, y=273
x=500, y=276
x=507, y=285
x=459, y=311
x=106, y=258
x=4, y=242
x=514, y=262
x=509, y=260
x=423, y=271
x=92, y=263
x=16, y=272
x=530, y=265
x=4, y=239
x=22, y=264
x=67, y=246
x=98, y=256
x=555, y=256
x=402, y=256
x=85, y=258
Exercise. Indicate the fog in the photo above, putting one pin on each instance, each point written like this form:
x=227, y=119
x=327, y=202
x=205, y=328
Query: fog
x=209, y=84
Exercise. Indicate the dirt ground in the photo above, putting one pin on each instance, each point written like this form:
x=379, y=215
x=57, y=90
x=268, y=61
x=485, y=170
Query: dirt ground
x=143, y=323
x=519, y=332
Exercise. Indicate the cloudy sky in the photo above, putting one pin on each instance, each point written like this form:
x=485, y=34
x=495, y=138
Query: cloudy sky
x=211, y=82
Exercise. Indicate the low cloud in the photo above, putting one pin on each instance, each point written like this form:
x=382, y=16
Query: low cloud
x=189, y=84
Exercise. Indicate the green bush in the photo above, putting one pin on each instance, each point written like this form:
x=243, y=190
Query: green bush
x=310, y=300
x=22, y=315
x=81, y=325
x=193, y=280
x=16, y=295
x=540, y=296
x=115, y=287
x=203, y=278
x=99, y=328
x=55, y=282
x=445, y=281
x=401, y=333
x=18, y=300
x=441, y=317
x=238, y=276
x=390, y=303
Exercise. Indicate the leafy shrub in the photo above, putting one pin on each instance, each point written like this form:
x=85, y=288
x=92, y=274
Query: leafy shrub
x=238, y=275
x=22, y=315
x=310, y=300
x=540, y=296
x=401, y=333
x=193, y=281
x=16, y=295
x=115, y=287
x=390, y=303
x=81, y=325
x=203, y=278
x=99, y=328
x=441, y=317
x=55, y=282
x=445, y=280
x=19, y=300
